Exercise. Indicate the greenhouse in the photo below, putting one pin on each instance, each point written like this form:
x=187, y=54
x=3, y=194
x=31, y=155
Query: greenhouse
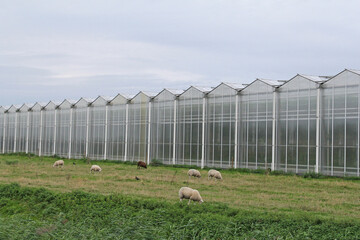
x=304, y=124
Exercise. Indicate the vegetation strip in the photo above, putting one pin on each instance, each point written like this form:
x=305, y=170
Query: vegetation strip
x=33, y=213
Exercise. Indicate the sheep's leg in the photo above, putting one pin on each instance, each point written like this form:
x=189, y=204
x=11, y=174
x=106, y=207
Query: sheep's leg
x=189, y=202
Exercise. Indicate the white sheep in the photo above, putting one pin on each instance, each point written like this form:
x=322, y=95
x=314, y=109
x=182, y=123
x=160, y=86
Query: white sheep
x=214, y=174
x=95, y=168
x=191, y=194
x=194, y=173
x=58, y=163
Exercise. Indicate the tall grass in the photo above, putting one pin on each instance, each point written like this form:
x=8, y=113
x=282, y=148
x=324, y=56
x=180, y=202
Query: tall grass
x=37, y=213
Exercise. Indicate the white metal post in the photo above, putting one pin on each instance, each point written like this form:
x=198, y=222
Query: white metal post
x=274, y=143
x=358, y=134
x=317, y=130
x=3, y=150
x=236, y=130
x=55, y=126
x=70, y=130
x=149, y=132
x=15, y=131
x=174, y=133
x=40, y=130
x=126, y=129
x=203, y=134
x=106, y=131
x=87, y=131
x=27, y=132
x=345, y=108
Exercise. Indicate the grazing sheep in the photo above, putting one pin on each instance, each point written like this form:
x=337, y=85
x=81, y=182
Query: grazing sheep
x=137, y=178
x=191, y=194
x=141, y=164
x=95, y=168
x=214, y=174
x=58, y=163
x=194, y=173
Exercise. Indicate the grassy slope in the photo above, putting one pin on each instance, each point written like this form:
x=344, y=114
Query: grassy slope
x=335, y=199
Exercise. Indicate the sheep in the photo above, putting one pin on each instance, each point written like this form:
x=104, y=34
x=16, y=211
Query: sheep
x=95, y=168
x=214, y=174
x=141, y=164
x=191, y=194
x=194, y=173
x=58, y=163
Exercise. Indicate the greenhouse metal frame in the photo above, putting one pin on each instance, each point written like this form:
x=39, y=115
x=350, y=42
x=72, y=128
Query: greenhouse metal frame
x=305, y=124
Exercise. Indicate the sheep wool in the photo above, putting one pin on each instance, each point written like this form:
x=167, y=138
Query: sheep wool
x=194, y=173
x=95, y=168
x=191, y=194
x=214, y=174
x=58, y=163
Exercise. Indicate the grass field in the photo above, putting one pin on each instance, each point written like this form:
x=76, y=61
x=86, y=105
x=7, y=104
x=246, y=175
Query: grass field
x=329, y=201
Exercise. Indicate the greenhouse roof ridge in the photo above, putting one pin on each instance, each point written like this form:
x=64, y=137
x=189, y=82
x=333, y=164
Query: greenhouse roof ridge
x=317, y=79
x=236, y=86
x=87, y=100
x=148, y=94
x=24, y=105
x=176, y=92
x=106, y=98
x=127, y=97
x=273, y=83
x=354, y=71
x=202, y=88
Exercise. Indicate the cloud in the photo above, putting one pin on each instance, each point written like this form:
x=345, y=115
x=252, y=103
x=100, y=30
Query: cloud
x=71, y=49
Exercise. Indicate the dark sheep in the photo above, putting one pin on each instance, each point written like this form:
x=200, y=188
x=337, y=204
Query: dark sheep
x=141, y=164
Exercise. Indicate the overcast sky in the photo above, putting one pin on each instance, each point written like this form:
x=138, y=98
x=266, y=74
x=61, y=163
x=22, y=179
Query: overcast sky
x=52, y=50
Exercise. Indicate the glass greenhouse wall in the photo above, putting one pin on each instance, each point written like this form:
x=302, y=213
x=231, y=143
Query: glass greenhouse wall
x=21, y=133
x=297, y=124
x=190, y=123
x=305, y=124
x=256, y=120
x=10, y=130
x=48, y=133
x=162, y=125
x=220, y=127
x=117, y=128
x=79, y=129
x=340, y=124
x=2, y=128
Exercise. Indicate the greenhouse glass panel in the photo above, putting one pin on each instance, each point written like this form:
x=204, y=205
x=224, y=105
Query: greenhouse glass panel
x=48, y=132
x=340, y=124
x=2, y=116
x=138, y=127
x=297, y=120
x=220, y=128
x=11, y=118
x=78, y=141
x=255, y=138
x=97, y=132
x=34, y=131
x=117, y=129
x=63, y=128
x=189, y=127
x=162, y=126
x=21, y=131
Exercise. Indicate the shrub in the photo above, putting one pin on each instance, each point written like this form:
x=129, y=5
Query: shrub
x=156, y=162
